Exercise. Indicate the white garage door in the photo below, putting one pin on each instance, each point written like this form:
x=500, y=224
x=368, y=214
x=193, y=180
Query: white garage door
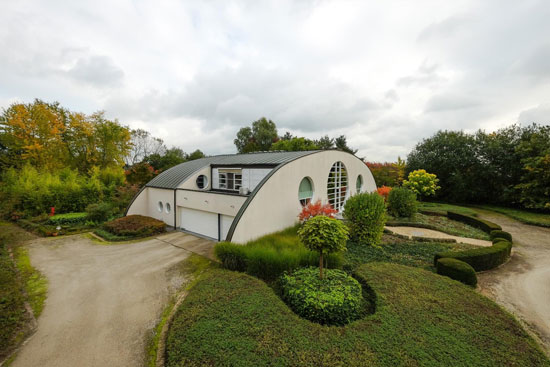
x=200, y=222
x=226, y=224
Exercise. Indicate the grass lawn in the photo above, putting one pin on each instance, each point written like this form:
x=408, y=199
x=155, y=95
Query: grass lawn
x=442, y=208
x=233, y=319
x=400, y=251
x=15, y=277
x=445, y=225
x=537, y=219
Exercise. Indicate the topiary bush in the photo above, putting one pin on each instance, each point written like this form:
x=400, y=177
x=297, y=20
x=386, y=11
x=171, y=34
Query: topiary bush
x=335, y=300
x=484, y=225
x=481, y=259
x=402, y=202
x=500, y=234
x=135, y=226
x=68, y=218
x=457, y=270
x=366, y=216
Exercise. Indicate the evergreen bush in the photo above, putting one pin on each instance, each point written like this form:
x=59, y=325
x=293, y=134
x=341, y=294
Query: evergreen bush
x=366, y=216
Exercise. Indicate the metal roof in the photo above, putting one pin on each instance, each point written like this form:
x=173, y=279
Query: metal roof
x=173, y=177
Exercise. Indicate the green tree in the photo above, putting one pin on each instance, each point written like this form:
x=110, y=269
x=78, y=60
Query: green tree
x=112, y=141
x=195, y=155
x=422, y=183
x=325, y=235
x=294, y=144
x=259, y=137
x=325, y=143
x=342, y=144
x=170, y=158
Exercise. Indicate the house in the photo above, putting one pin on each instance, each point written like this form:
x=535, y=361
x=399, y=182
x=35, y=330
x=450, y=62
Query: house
x=241, y=197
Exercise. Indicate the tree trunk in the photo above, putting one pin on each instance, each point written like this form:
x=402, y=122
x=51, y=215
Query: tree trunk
x=321, y=264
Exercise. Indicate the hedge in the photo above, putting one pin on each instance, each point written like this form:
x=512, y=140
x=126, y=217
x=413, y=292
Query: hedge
x=68, y=218
x=481, y=259
x=457, y=270
x=135, y=226
x=500, y=234
x=484, y=225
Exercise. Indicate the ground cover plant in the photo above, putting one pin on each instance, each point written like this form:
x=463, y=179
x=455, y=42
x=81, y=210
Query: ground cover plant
x=440, y=223
x=229, y=318
x=443, y=208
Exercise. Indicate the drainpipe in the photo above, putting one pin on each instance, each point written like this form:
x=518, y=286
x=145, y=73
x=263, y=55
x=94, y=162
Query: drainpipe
x=175, y=210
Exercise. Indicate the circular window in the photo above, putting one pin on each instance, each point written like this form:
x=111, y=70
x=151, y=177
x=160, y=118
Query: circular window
x=305, y=192
x=160, y=206
x=337, y=186
x=168, y=207
x=359, y=184
x=202, y=182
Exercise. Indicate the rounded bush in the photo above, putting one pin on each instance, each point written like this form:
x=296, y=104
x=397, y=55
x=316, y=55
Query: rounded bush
x=135, y=226
x=366, y=216
x=402, y=202
x=500, y=234
x=336, y=299
x=457, y=270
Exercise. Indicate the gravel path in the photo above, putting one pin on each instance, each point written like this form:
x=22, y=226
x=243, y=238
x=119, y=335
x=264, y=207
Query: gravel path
x=523, y=284
x=429, y=233
x=102, y=301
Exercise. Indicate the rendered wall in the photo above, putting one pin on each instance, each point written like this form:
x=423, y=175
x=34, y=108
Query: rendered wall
x=276, y=206
x=146, y=203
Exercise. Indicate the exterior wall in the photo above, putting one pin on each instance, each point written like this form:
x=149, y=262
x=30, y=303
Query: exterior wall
x=191, y=182
x=147, y=204
x=276, y=206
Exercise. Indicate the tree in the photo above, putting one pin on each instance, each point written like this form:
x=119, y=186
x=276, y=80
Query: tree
x=258, y=138
x=112, y=141
x=422, y=183
x=385, y=174
x=294, y=144
x=170, y=158
x=325, y=143
x=195, y=155
x=342, y=144
x=325, y=235
x=143, y=145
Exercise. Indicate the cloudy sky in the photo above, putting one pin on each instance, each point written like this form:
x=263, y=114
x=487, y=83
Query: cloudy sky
x=385, y=74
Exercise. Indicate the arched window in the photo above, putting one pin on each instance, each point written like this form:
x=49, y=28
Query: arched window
x=202, y=182
x=337, y=186
x=160, y=206
x=305, y=192
x=359, y=184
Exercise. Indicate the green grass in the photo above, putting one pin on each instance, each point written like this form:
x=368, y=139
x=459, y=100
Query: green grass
x=399, y=251
x=422, y=319
x=445, y=225
x=442, y=208
x=524, y=216
x=36, y=284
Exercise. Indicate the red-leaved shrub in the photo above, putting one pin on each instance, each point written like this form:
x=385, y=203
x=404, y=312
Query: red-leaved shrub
x=313, y=209
x=384, y=191
x=135, y=225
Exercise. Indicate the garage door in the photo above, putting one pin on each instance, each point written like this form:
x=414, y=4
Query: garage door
x=226, y=221
x=200, y=222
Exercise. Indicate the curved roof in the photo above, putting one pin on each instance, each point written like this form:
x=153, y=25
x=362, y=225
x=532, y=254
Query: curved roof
x=175, y=176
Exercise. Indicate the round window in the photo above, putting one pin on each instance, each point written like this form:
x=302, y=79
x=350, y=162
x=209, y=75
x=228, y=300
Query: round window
x=202, y=182
x=160, y=206
x=359, y=184
x=337, y=185
x=168, y=208
x=305, y=192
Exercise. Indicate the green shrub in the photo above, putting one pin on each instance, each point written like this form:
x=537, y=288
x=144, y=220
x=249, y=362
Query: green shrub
x=37, y=228
x=484, y=225
x=481, y=259
x=99, y=212
x=335, y=300
x=232, y=257
x=68, y=218
x=135, y=226
x=108, y=236
x=457, y=270
x=402, y=202
x=366, y=215
x=500, y=234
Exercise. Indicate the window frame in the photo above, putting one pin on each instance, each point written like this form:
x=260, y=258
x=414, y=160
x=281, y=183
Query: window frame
x=306, y=200
x=338, y=185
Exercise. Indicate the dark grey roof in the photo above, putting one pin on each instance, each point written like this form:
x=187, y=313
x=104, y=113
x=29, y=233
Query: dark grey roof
x=173, y=177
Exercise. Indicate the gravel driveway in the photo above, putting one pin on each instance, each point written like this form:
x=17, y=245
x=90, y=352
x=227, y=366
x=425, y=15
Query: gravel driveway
x=102, y=301
x=523, y=284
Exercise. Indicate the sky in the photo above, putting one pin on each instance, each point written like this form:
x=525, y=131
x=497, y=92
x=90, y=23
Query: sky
x=385, y=74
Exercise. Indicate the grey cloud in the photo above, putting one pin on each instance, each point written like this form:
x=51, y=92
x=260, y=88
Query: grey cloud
x=539, y=114
x=426, y=75
x=536, y=64
x=99, y=71
x=450, y=102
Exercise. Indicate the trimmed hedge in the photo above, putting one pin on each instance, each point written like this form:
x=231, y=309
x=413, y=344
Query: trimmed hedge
x=500, y=234
x=481, y=259
x=484, y=225
x=135, y=226
x=457, y=270
x=68, y=218
x=337, y=299
x=365, y=214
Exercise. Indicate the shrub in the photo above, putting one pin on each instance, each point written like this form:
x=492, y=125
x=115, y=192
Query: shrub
x=108, y=236
x=402, y=202
x=324, y=235
x=484, y=225
x=37, y=228
x=135, y=226
x=232, y=257
x=422, y=183
x=384, y=191
x=500, y=234
x=99, y=212
x=335, y=300
x=481, y=259
x=68, y=218
x=366, y=215
x=314, y=209
x=457, y=270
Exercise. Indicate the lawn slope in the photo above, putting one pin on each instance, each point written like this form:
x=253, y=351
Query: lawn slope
x=232, y=319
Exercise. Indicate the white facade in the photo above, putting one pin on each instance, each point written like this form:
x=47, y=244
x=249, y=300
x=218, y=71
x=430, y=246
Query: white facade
x=240, y=203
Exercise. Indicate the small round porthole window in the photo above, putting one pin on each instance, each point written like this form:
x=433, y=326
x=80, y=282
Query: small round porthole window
x=359, y=184
x=168, y=207
x=305, y=192
x=160, y=206
x=202, y=182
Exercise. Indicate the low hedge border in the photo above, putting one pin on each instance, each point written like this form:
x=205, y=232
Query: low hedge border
x=68, y=218
x=433, y=239
x=108, y=236
x=500, y=234
x=481, y=259
x=393, y=223
x=457, y=270
x=433, y=213
x=484, y=225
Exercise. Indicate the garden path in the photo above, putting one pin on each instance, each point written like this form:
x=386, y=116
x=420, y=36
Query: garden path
x=430, y=233
x=523, y=284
